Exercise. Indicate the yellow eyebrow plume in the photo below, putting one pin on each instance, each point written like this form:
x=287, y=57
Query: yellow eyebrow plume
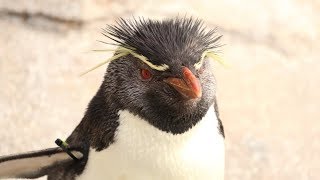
x=105, y=62
x=161, y=67
x=123, y=52
x=212, y=55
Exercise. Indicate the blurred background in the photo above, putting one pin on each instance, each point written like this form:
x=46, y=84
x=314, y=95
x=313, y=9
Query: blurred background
x=269, y=97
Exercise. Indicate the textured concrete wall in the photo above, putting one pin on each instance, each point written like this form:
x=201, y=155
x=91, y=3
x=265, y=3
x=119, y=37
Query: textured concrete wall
x=269, y=97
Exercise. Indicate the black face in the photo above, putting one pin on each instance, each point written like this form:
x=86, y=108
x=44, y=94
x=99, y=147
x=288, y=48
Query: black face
x=158, y=96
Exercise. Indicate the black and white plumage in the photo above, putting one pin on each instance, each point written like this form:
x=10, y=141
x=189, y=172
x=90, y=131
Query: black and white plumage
x=155, y=114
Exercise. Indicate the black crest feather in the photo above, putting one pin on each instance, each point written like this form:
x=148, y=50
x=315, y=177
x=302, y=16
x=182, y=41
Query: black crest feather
x=161, y=40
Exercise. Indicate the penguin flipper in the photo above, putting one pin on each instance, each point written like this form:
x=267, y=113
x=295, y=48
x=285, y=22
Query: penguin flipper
x=34, y=164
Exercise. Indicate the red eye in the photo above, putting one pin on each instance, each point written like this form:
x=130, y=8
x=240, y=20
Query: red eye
x=145, y=74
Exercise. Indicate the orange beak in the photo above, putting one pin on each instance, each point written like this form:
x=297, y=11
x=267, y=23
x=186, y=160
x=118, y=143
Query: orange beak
x=189, y=87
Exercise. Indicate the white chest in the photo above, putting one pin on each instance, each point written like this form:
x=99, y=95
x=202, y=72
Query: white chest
x=142, y=152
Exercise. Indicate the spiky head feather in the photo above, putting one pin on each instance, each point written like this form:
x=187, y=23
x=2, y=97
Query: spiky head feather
x=162, y=41
x=159, y=43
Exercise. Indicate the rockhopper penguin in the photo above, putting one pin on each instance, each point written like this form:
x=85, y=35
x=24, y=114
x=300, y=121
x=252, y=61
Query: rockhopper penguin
x=154, y=117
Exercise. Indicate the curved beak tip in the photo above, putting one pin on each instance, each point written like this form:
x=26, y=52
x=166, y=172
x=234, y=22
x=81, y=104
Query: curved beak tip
x=189, y=87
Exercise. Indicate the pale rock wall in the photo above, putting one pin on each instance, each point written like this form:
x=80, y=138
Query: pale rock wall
x=269, y=97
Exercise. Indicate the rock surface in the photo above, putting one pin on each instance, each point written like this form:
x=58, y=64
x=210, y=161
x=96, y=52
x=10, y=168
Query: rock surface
x=269, y=97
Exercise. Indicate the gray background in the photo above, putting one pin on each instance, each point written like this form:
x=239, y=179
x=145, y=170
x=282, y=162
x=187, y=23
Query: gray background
x=269, y=97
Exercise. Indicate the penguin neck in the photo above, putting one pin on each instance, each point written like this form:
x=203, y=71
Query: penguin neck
x=101, y=119
x=99, y=123
x=171, y=120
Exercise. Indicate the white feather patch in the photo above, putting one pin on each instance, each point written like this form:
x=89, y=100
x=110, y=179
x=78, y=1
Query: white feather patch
x=143, y=152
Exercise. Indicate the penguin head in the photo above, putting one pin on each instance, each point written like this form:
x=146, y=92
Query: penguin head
x=166, y=79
